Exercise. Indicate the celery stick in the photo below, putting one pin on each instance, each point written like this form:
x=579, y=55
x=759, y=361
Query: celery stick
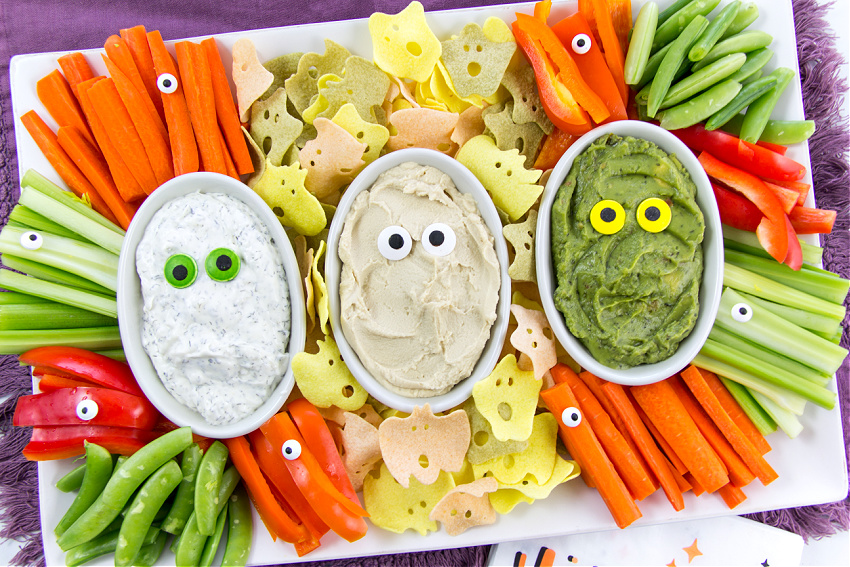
x=755, y=350
x=744, y=241
x=763, y=422
x=779, y=335
x=50, y=315
x=62, y=294
x=55, y=275
x=15, y=298
x=91, y=338
x=760, y=286
x=786, y=420
x=35, y=221
x=818, y=324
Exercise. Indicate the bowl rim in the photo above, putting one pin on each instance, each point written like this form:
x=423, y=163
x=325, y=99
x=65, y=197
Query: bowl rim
x=129, y=307
x=713, y=257
x=466, y=182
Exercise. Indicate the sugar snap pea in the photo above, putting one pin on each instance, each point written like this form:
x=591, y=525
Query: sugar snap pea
x=667, y=70
x=101, y=545
x=239, y=530
x=782, y=132
x=122, y=484
x=191, y=543
x=676, y=24
x=748, y=93
x=149, y=554
x=755, y=61
x=184, y=500
x=194, y=541
x=652, y=66
x=758, y=113
x=700, y=107
x=144, y=507
x=640, y=43
x=206, y=486
x=703, y=79
x=665, y=14
x=213, y=541
x=72, y=481
x=714, y=31
x=747, y=14
x=97, y=472
x=744, y=42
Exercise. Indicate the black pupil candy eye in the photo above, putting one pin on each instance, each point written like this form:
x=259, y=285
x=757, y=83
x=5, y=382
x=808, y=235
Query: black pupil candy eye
x=436, y=238
x=223, y=263
x=396, y=241
x=580, y=43
x=166, y=83
x=652, y=213
x=742, y=310
x=180, y=270
x=33, y=237
x=574, y=416
x=288, y=450
x=608, y=214
x=180, y=273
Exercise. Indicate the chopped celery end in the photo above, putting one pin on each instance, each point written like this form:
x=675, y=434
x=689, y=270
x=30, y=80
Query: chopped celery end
x=786, y=420
x=92, y=338
x=14, y=281
x=763, y=422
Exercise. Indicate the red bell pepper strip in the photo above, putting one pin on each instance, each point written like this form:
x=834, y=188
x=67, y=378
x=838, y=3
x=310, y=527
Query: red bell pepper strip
x=64, y=441
x=794, y=257
x=798, y=186
x=85, y=406
x=736, y=211
x=554, y=146
x=781, y=150
x=591, y=64
x=787, y=197
x=754, y=159
x=806, y=220
x=85, y=365
x=772, y=231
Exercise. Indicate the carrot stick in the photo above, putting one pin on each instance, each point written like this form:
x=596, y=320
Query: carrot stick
x=695, y=486
x=611, y=46
x=136, y=39
x=76, y=69
x=225, y=109
x=122, y=133
x=664, y=409
x=591, y=456
x=65, y=167
x=92, y=164
x=228, y=159
x=197, y=87
x=184, y=149
x=739, y=474
x=732, y=495
x=668, y=451
x=156, y=145
x=748, y=453
x=637, y=479
x=682, y=481
x=56, y=95
x=663, y=471
x=735, y=412
x=127, y=186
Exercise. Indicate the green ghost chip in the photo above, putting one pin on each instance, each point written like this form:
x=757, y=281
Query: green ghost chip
x=273, y=129
x=302, y=86
x=475, y=63
x=282, y=68
x=521, y=237
x=522, y=85
x=509, y=135
x=361, y=84
x=283, y=190
x=483, y=445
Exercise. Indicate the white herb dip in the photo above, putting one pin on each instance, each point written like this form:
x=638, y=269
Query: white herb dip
x=219, y=347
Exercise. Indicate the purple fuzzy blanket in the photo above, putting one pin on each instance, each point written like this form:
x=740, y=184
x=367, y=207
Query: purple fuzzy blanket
x=30, y=26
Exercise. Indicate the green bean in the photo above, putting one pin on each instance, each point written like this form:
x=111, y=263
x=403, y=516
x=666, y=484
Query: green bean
x=747, y=14
x=755, y=61
x=97, y=473
x=742, y=43
x=700, y=107
x=748, y=94
x=640, y=43
x=667, y=70
x=73, y=480
x=240, y=526
x=703, y=79
x=665, y=14
x=184, y=500
x=784, y=132
x=676, y=24
x=122, y=484
x=758, y=113
x=145, y=506
x=211, y=546
x=206, y=486
x=715, y=29
x=149, y=554
x=101, y=545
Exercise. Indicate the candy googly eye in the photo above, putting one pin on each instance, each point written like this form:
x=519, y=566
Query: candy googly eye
x=581, y=43
x=439, y=239
x=741, y=312
x=87, y=409
x=607, y=217
x=571, y=417
x=291, y=450
x=394, y=243
x=166, y=83
x=222, y=264
x=653, y=214
x=31, y=240
x=180, y=270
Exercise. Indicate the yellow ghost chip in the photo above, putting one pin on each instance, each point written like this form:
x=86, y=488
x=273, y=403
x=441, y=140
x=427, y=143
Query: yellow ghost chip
x=396, y=508
x=469, y=124
x=522, y=86
x=505, y=499
x=362, y=449
x=325, y=380
x=465, y=506
x=249, y=76
x=496, y=29
x=305, y=267
x=518, y=298
x=509, y=135
x=403, y=45
x=302, y=86
x=282, y=68
x=534, y=338
x=507, y=398
x=423, y=128
x=465, y=474
x=475, y=63
x=374, y=136
x=483, y=445
x=283, y=190
x=321, y=290
x=332, y=160
x=440, y=90
x=563, y=471
x=537, y=460
x=273, y=129
x=361, y=84
x=521, y=237
x=502, y=173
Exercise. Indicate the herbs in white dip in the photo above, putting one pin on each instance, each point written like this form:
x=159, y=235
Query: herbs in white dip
x=219, y=347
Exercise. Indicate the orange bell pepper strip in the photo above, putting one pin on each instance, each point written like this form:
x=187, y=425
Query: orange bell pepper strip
x=542, y=9
x=591, y=63
x=614, y=53
x=554, y=146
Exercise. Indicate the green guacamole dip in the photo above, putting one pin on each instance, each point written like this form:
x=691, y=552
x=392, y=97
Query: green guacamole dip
x=630, y=297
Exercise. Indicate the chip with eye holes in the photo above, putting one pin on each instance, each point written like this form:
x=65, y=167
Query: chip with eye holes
x=475, y=63
x=303, y=85
x=483, y=445
x=423, y=128
x=509, y=135
x=249, y=76
x=521, y=237
x=536, y=460
x=403, y=45
x=332, y=160
x=532, y=339
x=507, y=398
x=465, y=506
x=374, y=136
x=284, y=191
x=522, y=86
x=325, y=380
x=273, y=129
x=282, y=68
x=362, y=450
x=361, y=84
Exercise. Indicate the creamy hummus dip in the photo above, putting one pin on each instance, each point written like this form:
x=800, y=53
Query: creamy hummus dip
x=419, y=281
x=628, y=285
x=218, y=346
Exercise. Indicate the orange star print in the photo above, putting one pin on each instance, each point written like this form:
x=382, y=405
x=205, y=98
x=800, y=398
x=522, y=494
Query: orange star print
x=692, y=551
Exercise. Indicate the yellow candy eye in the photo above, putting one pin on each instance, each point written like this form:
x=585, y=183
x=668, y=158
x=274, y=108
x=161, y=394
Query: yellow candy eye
x=607, y=217
x=653, y=214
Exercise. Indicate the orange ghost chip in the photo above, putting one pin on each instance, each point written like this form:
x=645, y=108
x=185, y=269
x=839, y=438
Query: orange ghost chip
x=533, y=337
x=332, y=160
x=325, y=380
x=521, y=237
x=475, y=63
x=361, y=446
x=469, y=124
x=403, y=45
x=507, y=398
x=273, y=129
x=303, y=85
x=423, y=128
x=249, y=76
x=423, y=444
x=366, y=411
x=526, y=138
x=465, y=506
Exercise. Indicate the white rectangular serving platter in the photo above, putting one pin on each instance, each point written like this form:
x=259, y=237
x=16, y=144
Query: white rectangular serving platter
x=812, y=468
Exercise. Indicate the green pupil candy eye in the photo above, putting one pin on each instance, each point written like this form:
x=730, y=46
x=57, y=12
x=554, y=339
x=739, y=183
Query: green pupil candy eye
x=180, y=270
x=222, y=264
